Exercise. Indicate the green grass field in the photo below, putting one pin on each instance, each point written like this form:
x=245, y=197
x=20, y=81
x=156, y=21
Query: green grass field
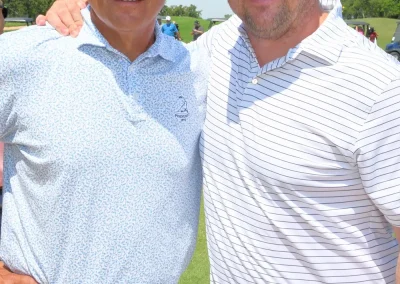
x=198, y=271
x=186, y=25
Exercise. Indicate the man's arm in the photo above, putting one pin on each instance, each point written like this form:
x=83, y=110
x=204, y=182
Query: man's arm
x=396, y=231
x=377, y=156
x=65, y=16
x=8, y=81
x=200, y=31
x=178, y=35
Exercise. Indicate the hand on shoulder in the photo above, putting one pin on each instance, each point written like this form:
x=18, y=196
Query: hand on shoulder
x=65, y=16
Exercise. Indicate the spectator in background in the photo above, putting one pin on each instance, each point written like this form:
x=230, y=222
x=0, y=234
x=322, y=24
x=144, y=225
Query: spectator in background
x=373, y=36
x=177, y=35
x=176, y=25
x=360, y=30
x=3, y=15
x=170, y=29
x=197, y=31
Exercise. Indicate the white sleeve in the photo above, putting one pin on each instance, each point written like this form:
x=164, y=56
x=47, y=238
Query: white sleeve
x=7, y=86
x=378, y=153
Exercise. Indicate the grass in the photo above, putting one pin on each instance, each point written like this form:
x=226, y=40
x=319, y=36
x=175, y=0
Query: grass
x=8, y=24
x=384, y=27
x=198, y=271
x=186, y=25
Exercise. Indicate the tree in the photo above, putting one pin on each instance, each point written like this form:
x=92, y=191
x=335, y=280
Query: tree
x=28, y=8
x=371, y=8
x=180, y=10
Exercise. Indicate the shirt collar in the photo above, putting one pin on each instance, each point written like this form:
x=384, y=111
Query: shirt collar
x=324, y=43
x=90, y=35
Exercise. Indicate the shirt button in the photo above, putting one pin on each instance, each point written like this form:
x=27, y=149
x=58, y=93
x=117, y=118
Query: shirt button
x=255, y=81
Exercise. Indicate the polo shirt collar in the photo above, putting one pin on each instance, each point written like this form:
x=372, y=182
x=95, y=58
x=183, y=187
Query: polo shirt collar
x=325, y=43
x=90, y=35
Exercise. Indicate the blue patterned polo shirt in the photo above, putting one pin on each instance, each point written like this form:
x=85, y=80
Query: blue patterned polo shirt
x=102, y=170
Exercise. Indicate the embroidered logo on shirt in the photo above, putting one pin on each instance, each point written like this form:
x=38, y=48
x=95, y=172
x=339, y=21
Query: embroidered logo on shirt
x=182, y=112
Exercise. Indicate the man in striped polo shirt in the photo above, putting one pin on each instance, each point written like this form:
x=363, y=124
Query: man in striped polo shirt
x=300, y=148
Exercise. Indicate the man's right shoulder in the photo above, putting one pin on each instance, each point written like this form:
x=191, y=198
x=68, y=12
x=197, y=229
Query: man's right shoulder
x=27, y=40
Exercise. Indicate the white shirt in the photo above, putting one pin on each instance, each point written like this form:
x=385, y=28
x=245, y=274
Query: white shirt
x=301, y=159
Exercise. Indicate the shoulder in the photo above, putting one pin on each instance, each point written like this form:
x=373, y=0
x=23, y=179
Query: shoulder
x=27, y=38
x=365, y=55
x=28, y=43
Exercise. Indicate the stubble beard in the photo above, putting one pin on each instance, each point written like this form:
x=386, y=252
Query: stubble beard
x=283, y=22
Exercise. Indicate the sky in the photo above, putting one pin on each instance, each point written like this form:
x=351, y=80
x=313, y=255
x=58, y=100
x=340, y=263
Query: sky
x=209, y=8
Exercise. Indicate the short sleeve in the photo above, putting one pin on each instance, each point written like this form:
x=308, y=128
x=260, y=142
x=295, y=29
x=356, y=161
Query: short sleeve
x=8, y=81
x=378, y=153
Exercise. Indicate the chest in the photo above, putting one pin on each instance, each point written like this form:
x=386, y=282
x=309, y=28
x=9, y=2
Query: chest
x=291, y=117
x=121, y=111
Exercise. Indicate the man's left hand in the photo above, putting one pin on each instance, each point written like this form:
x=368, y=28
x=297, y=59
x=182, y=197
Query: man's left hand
x=8, y=277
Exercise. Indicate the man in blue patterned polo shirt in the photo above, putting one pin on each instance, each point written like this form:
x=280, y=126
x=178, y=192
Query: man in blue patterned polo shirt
x=102, y=169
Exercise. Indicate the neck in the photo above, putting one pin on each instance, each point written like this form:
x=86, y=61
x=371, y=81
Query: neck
x=131, y=43
x=269, y=50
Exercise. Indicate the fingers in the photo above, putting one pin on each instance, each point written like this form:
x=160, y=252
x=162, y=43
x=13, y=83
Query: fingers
x=75, y=10
x=55, y=21
x=59, y=17
x=65, y=16
x=41, y=20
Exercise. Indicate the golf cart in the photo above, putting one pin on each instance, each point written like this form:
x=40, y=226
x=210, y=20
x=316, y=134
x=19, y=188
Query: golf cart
x=393, y=48
x=365, y=26
x=214, y=21
x=27, y=21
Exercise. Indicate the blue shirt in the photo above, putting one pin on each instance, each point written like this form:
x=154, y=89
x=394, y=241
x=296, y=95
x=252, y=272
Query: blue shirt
x=169, y=29
x=102, y=171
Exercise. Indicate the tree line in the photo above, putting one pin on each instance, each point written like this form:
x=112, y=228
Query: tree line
x=180, y=10
x=371, y=8
x=27, y=8
x=32, y=8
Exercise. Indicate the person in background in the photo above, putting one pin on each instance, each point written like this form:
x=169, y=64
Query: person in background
x=170, y=29
x=177, y=35
x=176, y=25
x=197, y=31
x=373, y=36
x=3, y=15
x=360, y=30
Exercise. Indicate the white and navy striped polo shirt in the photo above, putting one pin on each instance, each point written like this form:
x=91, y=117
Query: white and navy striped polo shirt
x=301, y=159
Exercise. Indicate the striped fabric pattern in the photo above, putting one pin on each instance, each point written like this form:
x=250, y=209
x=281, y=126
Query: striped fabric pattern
x=301, y=159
